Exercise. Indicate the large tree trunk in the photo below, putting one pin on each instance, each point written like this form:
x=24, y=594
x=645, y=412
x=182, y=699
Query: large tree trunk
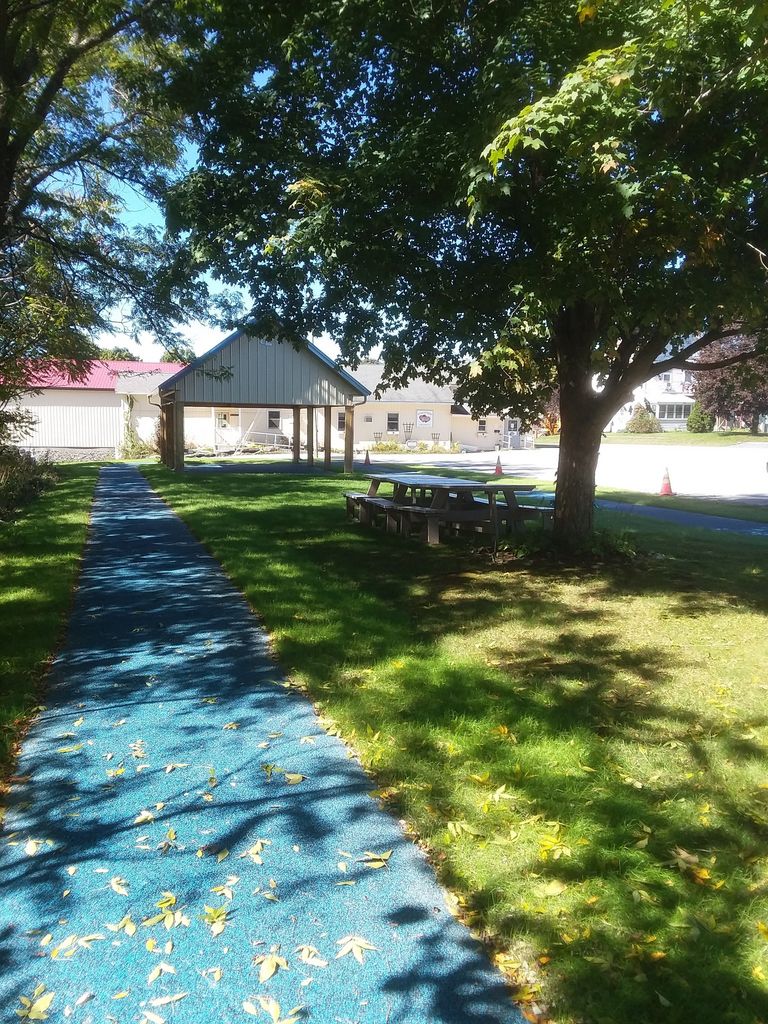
x=579, y=448
x=754, y=423
x=583, y=415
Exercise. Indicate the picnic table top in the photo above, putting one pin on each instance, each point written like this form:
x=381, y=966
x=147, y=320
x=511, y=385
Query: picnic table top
x=445, y=482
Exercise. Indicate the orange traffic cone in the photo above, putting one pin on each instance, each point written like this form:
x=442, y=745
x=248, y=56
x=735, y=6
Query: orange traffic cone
x=498, y=471
x=666, y=487
x=367, y=458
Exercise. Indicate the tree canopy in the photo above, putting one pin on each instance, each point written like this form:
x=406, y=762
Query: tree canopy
x=517, y=198
x=736, y=391
x=118, y=352
x=88, y=126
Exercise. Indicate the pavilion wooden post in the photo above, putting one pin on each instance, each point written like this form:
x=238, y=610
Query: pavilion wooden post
x=170, y=451
x=327, y=436
x=310, y=435
x=163, y=434
x=296, y=433
x=349, y=436
x=178, y=435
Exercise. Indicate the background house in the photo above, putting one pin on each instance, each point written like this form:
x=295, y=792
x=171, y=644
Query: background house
x=670, y=396
x=419, y=412
x=94, y=415
x=119, y=401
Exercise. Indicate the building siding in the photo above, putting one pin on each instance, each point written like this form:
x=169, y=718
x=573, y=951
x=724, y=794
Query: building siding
x=74, y=419
x=248, y=371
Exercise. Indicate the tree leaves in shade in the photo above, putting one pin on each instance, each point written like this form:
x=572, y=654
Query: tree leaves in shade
x=37, y=1007
x=736, y=391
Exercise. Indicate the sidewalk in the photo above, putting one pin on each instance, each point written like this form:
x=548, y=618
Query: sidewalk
x=724, y=524
x=184, y=842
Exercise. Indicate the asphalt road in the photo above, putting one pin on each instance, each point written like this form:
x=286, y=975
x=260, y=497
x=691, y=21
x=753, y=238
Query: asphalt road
x=738, y=472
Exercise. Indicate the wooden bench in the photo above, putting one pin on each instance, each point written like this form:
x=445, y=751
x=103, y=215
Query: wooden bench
x=353, y=499
x=434, y=518
x=477, y=517
x=543, y=513
x=370, y=507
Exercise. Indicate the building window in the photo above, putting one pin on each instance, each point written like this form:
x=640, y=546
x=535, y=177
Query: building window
x=367, y=419
x=340, y=422
x=674, y=412
x=273, y=419
x=393, y=422
x=481, y=426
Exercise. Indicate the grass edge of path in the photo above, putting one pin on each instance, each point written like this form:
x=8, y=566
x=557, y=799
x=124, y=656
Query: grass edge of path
x=41, y=554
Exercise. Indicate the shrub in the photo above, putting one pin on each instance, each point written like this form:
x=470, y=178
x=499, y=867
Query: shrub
x=642, y=421
x=700, y=421
x=22, y=478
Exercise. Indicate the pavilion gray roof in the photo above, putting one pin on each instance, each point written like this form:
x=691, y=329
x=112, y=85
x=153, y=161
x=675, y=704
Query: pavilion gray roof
x=418, y=392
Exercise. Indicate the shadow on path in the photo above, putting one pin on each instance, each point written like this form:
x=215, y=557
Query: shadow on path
x=175, y=773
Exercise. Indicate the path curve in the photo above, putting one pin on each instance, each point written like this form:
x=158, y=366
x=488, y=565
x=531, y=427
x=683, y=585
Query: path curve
x=149, y=774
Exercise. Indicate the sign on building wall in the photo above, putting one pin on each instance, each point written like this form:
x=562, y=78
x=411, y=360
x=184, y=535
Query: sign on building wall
x=424, y=417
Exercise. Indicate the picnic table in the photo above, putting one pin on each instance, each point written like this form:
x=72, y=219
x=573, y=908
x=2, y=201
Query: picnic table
x=423, y=503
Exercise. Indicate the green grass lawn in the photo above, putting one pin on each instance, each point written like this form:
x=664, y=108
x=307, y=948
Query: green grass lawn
x=39, y=561
x=718, y=437
x=584, y=754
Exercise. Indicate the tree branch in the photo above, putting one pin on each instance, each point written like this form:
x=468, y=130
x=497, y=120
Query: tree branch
x=680, y=360
x=720, y=364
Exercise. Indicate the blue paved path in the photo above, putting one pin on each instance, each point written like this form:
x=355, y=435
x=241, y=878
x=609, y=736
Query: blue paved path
x=723, y=524
x=147, y=785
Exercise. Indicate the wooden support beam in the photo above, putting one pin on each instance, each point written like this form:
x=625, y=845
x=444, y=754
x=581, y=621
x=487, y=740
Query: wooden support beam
x=170, y=451
x=163, y=434
x=178, y=435
x=327, y=413
x=349, y=437
x=310, y=435
x=297, y=433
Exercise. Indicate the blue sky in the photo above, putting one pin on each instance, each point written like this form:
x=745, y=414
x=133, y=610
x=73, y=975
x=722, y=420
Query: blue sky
x=138, y=211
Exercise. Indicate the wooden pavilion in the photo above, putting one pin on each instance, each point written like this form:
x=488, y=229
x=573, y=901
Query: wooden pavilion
x=247, y=372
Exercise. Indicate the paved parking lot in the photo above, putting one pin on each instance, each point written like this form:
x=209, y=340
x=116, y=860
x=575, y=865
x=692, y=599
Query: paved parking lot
x=737, y=471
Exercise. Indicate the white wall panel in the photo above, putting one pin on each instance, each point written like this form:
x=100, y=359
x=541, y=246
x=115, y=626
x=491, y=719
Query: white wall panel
x=74, y=418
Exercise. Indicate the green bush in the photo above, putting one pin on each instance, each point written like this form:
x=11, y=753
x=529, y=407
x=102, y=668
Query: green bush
x=642, y=421
x=700, y=421
x=22, y=478
x=415, y=447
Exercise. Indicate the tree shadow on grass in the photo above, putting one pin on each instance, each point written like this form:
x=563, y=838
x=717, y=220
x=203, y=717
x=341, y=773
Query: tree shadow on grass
x=657, y=917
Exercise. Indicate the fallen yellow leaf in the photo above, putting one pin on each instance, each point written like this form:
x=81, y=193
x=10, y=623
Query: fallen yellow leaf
x=355, y=945
x=36, y=1007
x=165, y=1000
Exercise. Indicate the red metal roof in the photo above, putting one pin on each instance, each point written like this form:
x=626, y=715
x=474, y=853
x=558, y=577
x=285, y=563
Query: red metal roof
x=102, y=374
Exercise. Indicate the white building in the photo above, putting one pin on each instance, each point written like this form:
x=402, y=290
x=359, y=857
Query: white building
x=97, y=414
x=670, y=397
x=118, y=402
x=419, y=413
